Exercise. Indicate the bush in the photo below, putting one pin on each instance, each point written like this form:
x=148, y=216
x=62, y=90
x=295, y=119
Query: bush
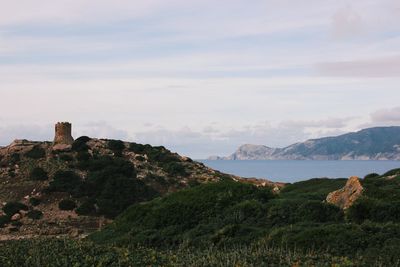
x=12, y=208
x=34, y=201
x=194, y=215
x=83, y=156
x=35, y=214
x=80, y=144
x=5, y=219
x=66, y=204
x=116, y=146
x=371, y=176
x=119, y=193
x=15, y=158
x=16, y=223
x=87, y=208
x=374, y=210
x=392, y=172
x=66, y=157
x=313, y=189
x=316, y=211
x=175, y=169
x=137, y=148
x=65, y=181
x=36, y=152
x=38, y=174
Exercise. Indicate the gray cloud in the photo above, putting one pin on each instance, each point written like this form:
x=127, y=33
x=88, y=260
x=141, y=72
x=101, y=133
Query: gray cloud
x=102, y=129
x=379, y=67
x=386, y=116
x=213, y=140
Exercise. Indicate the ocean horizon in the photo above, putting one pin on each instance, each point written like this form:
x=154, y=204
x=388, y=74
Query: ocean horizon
x=290, y=171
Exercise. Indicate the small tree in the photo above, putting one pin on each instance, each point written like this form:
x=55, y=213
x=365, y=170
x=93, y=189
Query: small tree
x=35, y=214
x=66, y=204
x=38, y=174
x=12, y=208
x=36, y=152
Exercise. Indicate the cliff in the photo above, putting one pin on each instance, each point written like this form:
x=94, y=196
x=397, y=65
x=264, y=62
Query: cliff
x=380, y=143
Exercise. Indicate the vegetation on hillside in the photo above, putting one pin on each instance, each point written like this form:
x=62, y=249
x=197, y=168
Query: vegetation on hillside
x=229, y=215
x=221, y=223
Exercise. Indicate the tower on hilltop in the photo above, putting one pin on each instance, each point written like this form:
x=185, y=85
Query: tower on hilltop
x=63, y=133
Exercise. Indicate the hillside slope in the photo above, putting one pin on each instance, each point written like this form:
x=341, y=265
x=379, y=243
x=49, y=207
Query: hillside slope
x=48, y=189
x=380, y=143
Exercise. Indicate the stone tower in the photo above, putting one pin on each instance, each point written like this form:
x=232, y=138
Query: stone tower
x=63, y=133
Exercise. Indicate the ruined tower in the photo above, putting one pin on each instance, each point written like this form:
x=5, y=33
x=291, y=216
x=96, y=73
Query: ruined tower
x=63, y=133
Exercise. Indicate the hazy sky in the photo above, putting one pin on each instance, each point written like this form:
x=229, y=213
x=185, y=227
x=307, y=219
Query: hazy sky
x=198, y=76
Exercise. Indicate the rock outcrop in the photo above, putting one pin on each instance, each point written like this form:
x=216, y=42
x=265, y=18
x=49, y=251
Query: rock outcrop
x=347, y=195
x=379, y=143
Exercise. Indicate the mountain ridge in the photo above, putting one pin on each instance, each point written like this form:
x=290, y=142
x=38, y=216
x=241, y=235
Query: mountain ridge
x=377, y=143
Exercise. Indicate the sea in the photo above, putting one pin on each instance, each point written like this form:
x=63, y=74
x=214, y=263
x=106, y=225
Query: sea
x=290, y=171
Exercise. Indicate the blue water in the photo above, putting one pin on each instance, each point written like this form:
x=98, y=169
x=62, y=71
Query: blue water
x=297, y=170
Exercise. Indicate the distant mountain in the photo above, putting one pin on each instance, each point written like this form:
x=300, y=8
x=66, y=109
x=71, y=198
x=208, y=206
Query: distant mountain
x=379, y=143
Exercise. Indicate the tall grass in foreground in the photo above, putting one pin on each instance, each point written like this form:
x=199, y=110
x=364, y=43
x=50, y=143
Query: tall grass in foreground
x=65, y=252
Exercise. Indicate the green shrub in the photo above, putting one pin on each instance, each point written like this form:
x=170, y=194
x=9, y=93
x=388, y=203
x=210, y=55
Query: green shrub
x=4, y=219
x=371, y=176
x=66, y=204
x=83, y=156
x=194, y=215
x=313, y=189
x=34, y=201
x=317, y=211
x=80, y=144
x=119, y=193
x=137, y=148
x=66, y=157
x=36, y=152
x=174, y=168
x=374, y=210
x=65, y=181
x=117, y=146
x=392, y=172
x=35, y=214
x=15, y=158
x=38, y=174
x=12, y=208
x=86, y=208
x=282, y=211
x=16, y=223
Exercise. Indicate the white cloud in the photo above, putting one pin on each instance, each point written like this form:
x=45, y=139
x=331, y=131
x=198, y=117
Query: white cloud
x=347, y=23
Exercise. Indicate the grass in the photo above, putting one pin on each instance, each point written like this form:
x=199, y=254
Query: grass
x=65, y=252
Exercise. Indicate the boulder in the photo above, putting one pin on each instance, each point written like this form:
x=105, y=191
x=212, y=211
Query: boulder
x=16, y=217
x=62, y=148
x=347, y=195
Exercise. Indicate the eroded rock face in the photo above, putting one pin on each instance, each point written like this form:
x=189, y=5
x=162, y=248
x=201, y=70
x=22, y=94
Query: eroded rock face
x=347, y=195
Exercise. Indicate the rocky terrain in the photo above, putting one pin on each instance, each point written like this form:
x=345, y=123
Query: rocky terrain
x=54, y=189
x=380, y=143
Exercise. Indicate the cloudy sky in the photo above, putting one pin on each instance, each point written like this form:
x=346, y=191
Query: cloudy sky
x=200, y=77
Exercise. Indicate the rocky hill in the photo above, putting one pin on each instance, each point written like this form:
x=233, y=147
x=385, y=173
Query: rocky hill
x=73, y=187
x=380, y=143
